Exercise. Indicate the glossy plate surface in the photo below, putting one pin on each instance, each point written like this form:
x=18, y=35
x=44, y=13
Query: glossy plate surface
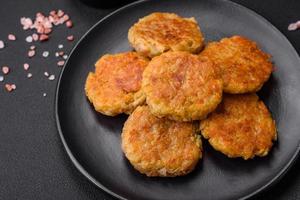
x=93, y=140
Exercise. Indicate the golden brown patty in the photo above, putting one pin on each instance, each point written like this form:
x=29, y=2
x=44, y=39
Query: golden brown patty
x=115, y=86
x=241, y=126
x=161, y=32
x=159, y=146
x=243, y=66
x=181, y=86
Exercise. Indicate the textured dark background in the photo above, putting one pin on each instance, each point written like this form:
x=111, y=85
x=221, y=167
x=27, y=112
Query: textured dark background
x=33, y=163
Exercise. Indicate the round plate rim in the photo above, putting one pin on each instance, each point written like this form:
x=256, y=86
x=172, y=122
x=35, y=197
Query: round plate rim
x=79, y=167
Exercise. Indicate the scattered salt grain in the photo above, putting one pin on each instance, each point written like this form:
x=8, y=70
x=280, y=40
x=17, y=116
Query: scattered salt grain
x=51, y=77
x=29, y=75
x=40, y=30
x=45, y=54
x=294, y=26
x=26, y=66
x=47, y=30
x=56, y=54
x=2, y=45
x=1, y=78
x=46, y=74
x=60, y=63
x=35, y=37
x=44, y=37
x=60, y=13
x=29, y=39
x=26, y=22
x=32, y=47
x=11, y=37
x=44, y=94
x=48, y=24
x=31, y=53
x=65, y=57
x=8, y=87
x=5, y=70
x=60, y=46
x=65, y=18
x=69, y=24
x=70, y=38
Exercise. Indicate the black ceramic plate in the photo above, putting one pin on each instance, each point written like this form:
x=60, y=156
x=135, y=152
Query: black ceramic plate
x=93, y=140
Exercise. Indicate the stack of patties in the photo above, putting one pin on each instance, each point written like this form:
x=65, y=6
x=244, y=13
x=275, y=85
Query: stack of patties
x=168, y=87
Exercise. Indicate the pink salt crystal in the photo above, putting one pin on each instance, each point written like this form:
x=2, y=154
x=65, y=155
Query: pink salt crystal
x=55, y=20
x=40, y=18
x=5, y=70
x=11, y=37
x=35, y=37
x=2, y=45
x=47, y=23
x=294, y=26
x=44, y=37
x=69, y=24
x=29, y=39
x=60, y=63
x=26, y=22
x=51, y=77
x=60, y=13
x=31, y=53
x=8, y=87
x=70, y=38
x=26, y=66
x=53, y=12
x=40, y=29
x=45, y=54
x=298, y=24
x=22, y=20
x=66, y=17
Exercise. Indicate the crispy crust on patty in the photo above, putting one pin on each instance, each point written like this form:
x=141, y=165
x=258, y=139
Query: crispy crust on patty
x=241, y=126
x=159, y=146
x=160, y=32
x=243, y=66
x=115, y=87
x=181, y=86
